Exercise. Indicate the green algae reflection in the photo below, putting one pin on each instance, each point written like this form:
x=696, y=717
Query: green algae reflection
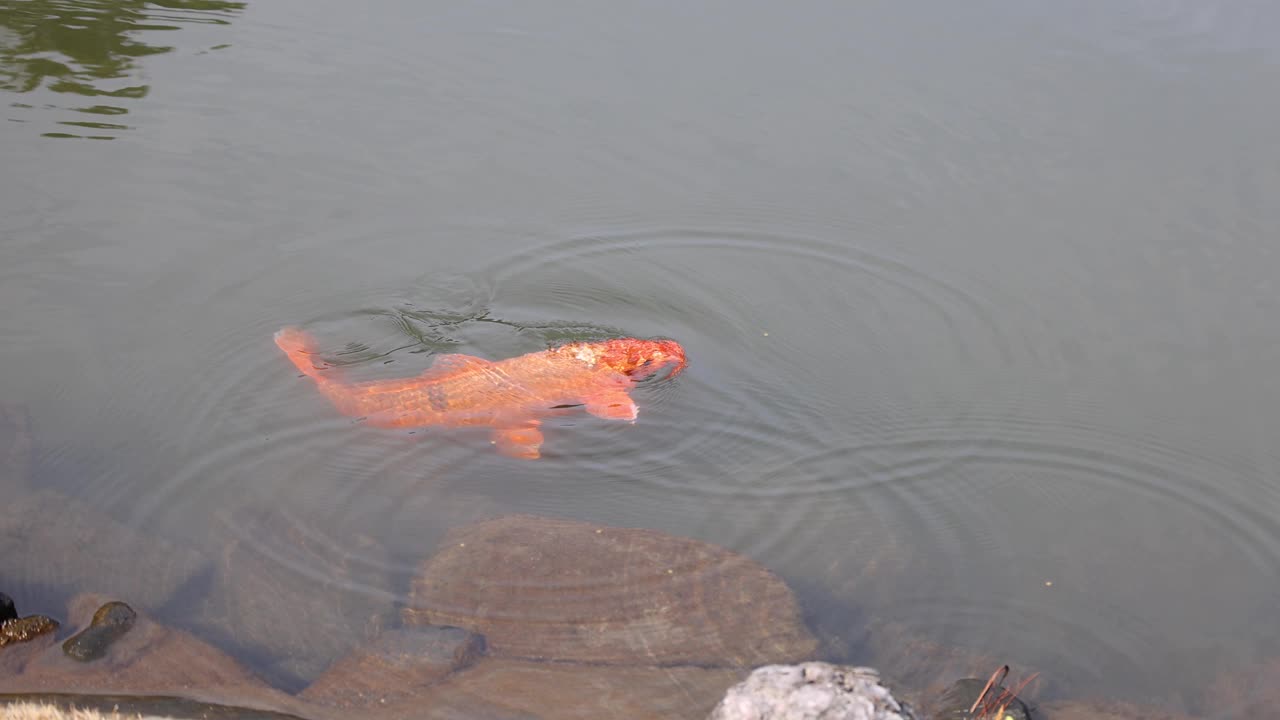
x=92, y=48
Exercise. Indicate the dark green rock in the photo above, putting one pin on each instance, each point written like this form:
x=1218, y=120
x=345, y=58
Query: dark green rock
x=109, y=624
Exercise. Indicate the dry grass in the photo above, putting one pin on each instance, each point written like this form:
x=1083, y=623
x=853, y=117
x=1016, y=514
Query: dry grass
x=39, y=711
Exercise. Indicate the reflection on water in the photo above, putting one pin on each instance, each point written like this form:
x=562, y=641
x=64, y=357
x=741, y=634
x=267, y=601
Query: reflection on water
x=92, y=49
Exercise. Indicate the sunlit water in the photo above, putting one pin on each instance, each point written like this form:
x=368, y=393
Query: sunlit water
x=981, y=295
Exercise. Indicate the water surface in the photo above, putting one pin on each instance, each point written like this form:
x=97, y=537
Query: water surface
x=979, y=299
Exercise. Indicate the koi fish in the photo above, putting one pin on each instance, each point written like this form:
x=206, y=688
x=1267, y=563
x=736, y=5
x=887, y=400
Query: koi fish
x=510, y=396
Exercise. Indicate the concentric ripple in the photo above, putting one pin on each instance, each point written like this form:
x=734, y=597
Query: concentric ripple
x=1067, y=545
x=862, y=428
x=768, y=320
x=901, y=424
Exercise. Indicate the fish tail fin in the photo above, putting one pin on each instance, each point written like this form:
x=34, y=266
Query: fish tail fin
x=299, y=346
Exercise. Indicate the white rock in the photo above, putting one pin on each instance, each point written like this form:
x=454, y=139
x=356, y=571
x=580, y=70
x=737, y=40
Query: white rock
x=810, y=691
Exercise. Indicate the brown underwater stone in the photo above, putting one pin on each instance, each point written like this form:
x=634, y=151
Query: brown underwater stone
x=570, y=691
x=395, y=666
x=52, y=542
x=553, y=589
x=926, y=669
x=292, y=595
x=1108, y=710
x=1249, y=692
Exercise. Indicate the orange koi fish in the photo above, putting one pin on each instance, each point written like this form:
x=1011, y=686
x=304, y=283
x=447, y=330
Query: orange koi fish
x=510, y=396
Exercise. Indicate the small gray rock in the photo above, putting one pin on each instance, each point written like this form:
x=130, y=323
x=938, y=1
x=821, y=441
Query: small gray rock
x=810, y=691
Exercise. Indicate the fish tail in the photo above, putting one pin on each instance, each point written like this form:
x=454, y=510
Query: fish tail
x=299, y=346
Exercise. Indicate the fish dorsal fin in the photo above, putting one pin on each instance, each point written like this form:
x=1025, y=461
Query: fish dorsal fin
x=446, y=366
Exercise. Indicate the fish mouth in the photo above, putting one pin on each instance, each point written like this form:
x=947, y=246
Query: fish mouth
x=681, y=363
x=657, y=374
x=672, y=365
x=674, y=357
x=677, y=368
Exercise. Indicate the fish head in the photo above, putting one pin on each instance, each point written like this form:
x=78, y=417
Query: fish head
x=638, y=358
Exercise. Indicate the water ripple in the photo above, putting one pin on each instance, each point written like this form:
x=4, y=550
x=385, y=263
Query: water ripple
x=784, y=441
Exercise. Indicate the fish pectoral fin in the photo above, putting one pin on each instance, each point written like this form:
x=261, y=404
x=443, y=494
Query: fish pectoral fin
x=613, y=405
x=445, y=366
x=524, y=442
x=299, y=346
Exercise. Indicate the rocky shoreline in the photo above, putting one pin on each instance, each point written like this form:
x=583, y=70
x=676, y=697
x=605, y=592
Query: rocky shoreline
x=516, y=616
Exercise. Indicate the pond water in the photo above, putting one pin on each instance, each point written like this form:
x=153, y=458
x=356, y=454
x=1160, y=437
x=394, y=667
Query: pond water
x=983, y=295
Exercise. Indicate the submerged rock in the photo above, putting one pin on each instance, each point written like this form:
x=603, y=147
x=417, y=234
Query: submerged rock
x=581, y=621
x=51, y=544
x=1248, y=692
x=395, y=666
x=109, y=624
x=7, y=609
x=1107, y=710
x=552, y=589
x=810, y=691
x=150, y=659
x=14, y=629
x=908, y=659
x=955, y=702
x=21, y=632
x=497, y=688
x=293, y=596
x=23, y=629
